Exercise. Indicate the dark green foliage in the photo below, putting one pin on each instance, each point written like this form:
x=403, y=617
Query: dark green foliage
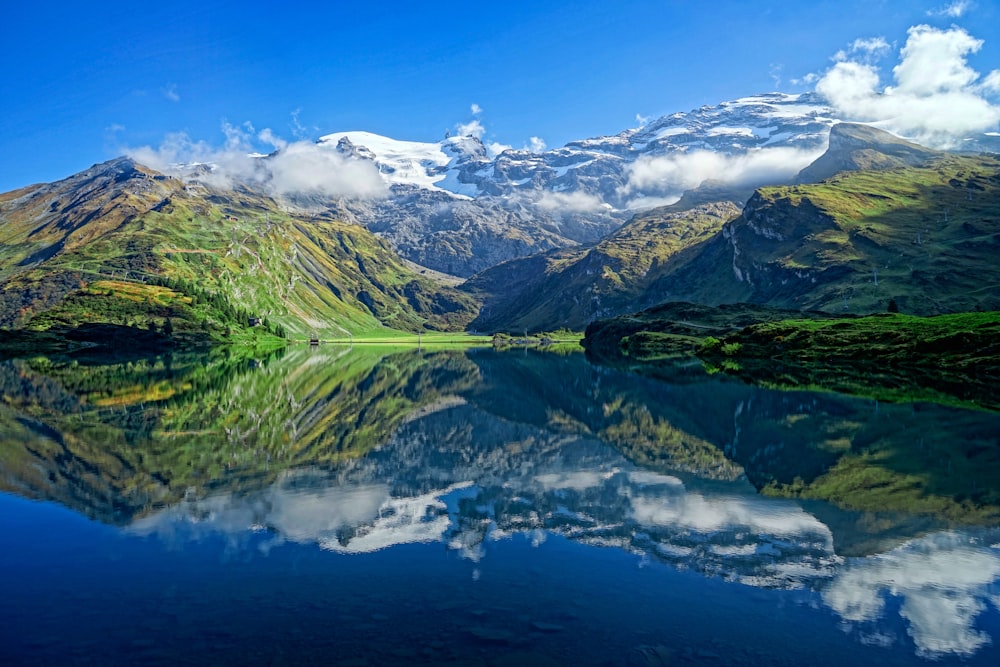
x=898, y=357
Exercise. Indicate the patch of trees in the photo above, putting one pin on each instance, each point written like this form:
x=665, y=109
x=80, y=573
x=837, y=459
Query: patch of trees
x=229, y=314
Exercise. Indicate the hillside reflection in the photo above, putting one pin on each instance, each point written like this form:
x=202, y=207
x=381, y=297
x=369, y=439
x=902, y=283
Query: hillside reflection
x=357, y=451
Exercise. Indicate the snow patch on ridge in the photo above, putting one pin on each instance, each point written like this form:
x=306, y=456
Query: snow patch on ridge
x=432, y=166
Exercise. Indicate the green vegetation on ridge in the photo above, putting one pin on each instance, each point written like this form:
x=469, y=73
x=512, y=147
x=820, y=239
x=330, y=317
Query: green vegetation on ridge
x=101, y=247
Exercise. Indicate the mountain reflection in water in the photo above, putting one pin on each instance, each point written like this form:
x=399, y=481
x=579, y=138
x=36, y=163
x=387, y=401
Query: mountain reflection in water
x=884, y=515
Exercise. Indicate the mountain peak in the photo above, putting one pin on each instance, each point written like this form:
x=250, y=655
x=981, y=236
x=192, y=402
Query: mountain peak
x=856, y=146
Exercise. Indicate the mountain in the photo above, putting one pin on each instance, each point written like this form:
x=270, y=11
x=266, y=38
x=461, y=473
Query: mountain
x=123, y=244
x=128, y=245
x=892, y=220
x=572, y=287
x=855, y=147
x=927, y=236
x=456, y=207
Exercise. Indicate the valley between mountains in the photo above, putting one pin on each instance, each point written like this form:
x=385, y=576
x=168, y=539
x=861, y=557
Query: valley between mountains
x=517, y=243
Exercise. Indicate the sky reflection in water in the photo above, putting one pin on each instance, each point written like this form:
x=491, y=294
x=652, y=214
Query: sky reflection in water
x=539, y=499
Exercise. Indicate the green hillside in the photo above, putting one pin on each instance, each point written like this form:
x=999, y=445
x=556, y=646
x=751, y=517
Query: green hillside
x=122, y=244
x=572, y=287
x=905, y=223
x=927, y=237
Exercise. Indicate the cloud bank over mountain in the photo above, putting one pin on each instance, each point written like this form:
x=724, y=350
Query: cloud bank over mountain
x=299, y=167
x=936, y=97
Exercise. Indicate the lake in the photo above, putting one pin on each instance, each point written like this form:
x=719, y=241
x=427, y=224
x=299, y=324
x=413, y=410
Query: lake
x=370, y=506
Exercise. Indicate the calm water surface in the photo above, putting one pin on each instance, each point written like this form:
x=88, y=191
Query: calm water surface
x=355, y=507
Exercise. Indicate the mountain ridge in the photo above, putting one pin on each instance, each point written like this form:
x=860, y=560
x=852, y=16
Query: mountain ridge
x=121, y=238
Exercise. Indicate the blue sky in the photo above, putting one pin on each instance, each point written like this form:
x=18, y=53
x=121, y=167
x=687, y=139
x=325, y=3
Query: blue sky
x=83, y=82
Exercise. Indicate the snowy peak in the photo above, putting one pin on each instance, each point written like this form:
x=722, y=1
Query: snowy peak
x=600, y=170
x=739, y=125
x=431, y=166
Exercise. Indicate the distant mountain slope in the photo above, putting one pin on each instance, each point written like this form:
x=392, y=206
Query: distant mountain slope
x=569, y=288
x=122, y=241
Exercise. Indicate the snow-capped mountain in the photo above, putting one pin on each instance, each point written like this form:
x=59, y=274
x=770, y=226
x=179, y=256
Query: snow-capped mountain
x=454, y=207
x=432, y=166
x=603, y=166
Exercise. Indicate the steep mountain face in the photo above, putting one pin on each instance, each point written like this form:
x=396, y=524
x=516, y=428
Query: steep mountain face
x=123, y=244
x=927, y=237
x=572, y=287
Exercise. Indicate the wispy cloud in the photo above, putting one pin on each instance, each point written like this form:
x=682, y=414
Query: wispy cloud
x=170, y=92
x=954, y=10
x=774, y=71
x=475, y=109
x=866, y=49
x=473, y=128
x=937, y=97
x=299, y=131
x=299, y=167
x=536, y=144
x=664, y=178
x=570, y=202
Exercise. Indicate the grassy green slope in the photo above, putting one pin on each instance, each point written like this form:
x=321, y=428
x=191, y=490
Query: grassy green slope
x=106, y=234
x=570, y=288
x=926, y=236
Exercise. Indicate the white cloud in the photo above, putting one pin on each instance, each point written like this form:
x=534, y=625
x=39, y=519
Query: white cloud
x=305, y=167
x=570, y=202
x=475, y=109
x=873, y=45
x=300, y=167
x=268, y=137
x=943, y=582
x=806, y=79
x=494, y=148
x=867, y=49
x=954, y=10
x=536, y=144
x=642, y=120
x=935, y=99
x=991, y=84
x=471, y=129
x=774, y=71
x=170, y=92
x=666, y=177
